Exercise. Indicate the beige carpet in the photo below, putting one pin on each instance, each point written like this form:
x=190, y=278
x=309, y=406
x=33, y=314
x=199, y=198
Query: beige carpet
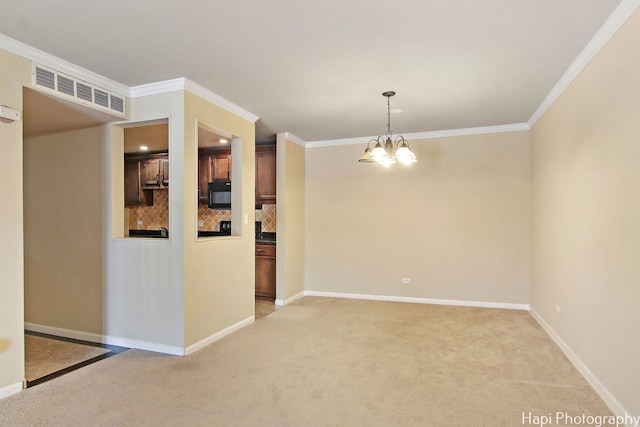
x=324, y=361
x=44, y=356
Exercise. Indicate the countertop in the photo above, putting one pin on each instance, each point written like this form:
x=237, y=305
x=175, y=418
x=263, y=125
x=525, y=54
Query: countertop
x=156, y=234
x=266, y=238
x=262, y=239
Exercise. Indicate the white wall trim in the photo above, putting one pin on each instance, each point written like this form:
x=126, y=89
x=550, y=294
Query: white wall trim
x=608, y=398
x=46, y=59
x=144, y=345
x=219, y=335
x=289, y=300
x=462, y=303
x=517, y=127
x=608, y=29
x=10, y=389
x=62, y=332
x=291, y=137
x=186, y=84
x=157, y=88
x=105, y=339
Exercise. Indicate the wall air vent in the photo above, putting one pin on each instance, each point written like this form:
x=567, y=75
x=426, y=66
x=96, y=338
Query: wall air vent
x=67, y=87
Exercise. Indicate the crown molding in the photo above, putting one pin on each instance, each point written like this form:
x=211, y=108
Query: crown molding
x=158, y=88
x=66, y=67
x=517, y=127
x=291, y=137
x=183, y=83
x=608, y=29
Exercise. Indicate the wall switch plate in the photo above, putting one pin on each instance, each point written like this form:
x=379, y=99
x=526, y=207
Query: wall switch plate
x=246, y=218
x=406, y=280
x=557, y=308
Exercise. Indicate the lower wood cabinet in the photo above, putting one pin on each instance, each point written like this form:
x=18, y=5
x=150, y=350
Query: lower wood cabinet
x=265, y=271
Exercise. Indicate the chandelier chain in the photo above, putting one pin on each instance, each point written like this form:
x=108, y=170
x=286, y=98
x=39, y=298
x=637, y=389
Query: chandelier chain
x=388, y=116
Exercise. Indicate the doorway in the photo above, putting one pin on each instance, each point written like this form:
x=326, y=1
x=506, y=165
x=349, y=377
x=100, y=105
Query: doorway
x=64, y=201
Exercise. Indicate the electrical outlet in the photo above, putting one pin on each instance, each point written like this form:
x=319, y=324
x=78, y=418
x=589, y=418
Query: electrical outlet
x=200, y=223
x=139, y=222
x=557, y=308
x=406, y=280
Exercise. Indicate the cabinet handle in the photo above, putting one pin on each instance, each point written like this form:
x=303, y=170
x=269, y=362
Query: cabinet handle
x=259, y=250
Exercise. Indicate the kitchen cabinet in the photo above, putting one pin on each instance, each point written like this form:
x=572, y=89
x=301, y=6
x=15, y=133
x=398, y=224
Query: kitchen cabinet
x=221, y=167
x=213, y=165
x=266, y=175
x=144, y=173
x=204, y=177
x=265, y=271
x=155, y=172
x=134, y=195
x=164, y=169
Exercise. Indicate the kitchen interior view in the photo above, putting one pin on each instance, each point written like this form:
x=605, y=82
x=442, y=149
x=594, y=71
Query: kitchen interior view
x=146, y=210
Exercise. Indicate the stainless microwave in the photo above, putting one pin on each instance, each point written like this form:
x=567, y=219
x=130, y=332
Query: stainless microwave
x=220, y=195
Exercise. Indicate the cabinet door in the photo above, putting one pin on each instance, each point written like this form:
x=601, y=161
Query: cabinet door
x=204, y=178
x=221, y=167
x=266, y=276
x=132, y=190
x=266, y=176
x=151, y=172
x=164, y=171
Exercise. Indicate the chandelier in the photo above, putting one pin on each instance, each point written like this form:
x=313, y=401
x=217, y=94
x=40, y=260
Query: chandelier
x=386, y=151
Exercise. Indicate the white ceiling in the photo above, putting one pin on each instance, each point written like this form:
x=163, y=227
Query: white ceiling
x=317, y=69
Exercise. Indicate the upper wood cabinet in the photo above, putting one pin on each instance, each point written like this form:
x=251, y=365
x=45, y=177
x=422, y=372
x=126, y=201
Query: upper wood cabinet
x=221, y=167
x=144, y=173
x=155, y=171
x=213, y=165
x=134, y=195
x=266, y=175
x=204, y=176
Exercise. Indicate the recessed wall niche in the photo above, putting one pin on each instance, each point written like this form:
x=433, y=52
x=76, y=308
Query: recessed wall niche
x=146, y=180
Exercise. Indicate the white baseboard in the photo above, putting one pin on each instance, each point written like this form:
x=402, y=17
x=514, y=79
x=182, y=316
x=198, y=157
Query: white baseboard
x=144, y=345
x=62, y=332
x=105, y=339
x=10, y=389
x=218, y=335
x=289, y=300
x=615, y=406
x=482, y=304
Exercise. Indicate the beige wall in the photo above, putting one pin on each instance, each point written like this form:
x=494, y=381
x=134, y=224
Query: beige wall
x=219, y=280
x=290, y=255
x=586, y=210
x=64, y=206
x=16, y=73
x=456, y=223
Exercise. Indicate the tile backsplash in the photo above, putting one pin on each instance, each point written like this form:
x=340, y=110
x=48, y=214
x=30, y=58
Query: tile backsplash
x=152, y=217
x=268, y=217
x=157, y=216
x=211, y=218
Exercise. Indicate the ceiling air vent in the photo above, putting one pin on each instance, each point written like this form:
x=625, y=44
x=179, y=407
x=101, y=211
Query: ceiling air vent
x=77, y=90
x=65, y=85
x=45, y=78
x=84, y=92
